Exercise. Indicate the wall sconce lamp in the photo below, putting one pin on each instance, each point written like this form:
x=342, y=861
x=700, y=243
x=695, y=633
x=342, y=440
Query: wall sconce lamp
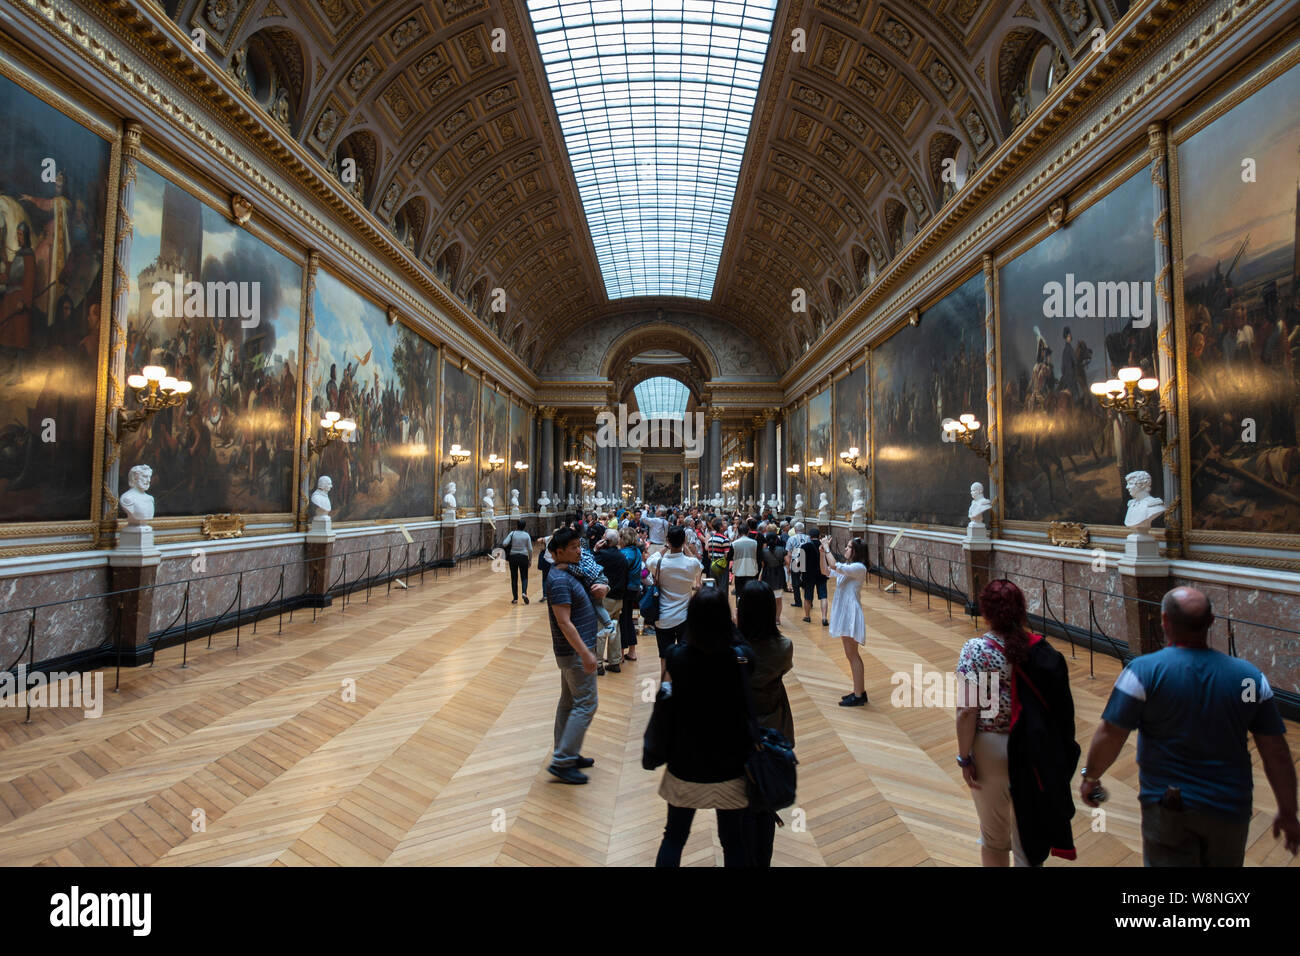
x=792, y=471
x=820, y=467
x=493, y=463
x=963, y=430
x=521, y=467
x=744, y=466
x=850, y=458
x=455, y=456
x=154, y=390
x=333, y=428
x=1134, y=395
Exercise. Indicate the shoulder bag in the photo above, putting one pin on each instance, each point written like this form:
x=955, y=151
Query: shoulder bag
x=654, y=750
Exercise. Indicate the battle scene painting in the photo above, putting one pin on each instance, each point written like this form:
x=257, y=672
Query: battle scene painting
x=850, y=432
x=795, y=435
x=53, y=196
x=1075, y=309
x=819, y=445
x=460, y=423
x=383, y=377
x=230, y=446
x=919, y=376
x=663, y=488
x=496, y=440
x=521, y=438
x=1241, y=301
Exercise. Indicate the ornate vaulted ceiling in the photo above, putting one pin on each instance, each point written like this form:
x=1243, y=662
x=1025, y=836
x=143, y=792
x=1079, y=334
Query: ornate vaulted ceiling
x=440, y=108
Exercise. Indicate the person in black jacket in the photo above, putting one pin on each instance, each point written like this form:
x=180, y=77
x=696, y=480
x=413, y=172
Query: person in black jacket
x=609, y=648
x=709, y=738
x=1015, y=735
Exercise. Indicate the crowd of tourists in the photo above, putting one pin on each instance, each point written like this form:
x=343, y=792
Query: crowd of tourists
x=722, y=663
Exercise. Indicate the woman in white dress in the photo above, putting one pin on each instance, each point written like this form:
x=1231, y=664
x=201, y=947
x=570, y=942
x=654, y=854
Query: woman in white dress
x=847, y=621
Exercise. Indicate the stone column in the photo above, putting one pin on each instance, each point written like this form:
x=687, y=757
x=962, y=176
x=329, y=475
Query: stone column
x=1166, y=362
x=747, y=485
x=544, y=467
x=115, y=395
x=715, y=452
x=991, y=397
x=771, y=465
x=557, y=464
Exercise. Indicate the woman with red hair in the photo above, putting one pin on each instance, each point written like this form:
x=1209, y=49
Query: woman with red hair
x=1015, y=734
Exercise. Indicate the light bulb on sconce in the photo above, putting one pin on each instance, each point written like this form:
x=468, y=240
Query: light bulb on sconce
x=1134, y=394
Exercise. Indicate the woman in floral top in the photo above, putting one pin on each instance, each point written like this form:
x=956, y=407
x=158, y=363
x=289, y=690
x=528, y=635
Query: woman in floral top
x=982, y=730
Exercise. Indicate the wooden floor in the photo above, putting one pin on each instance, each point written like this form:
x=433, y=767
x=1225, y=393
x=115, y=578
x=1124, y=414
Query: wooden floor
x=441, y=757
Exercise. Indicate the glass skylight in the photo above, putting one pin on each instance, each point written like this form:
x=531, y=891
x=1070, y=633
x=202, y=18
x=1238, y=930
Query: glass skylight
x=661, y=397
x=655, y=99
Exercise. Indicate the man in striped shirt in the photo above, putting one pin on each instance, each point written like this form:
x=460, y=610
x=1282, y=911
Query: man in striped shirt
x=720, y=548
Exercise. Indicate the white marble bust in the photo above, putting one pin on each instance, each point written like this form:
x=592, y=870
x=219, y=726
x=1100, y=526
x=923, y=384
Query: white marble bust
x=978, y=504
x=859, y=505
x=1143, y=507
x=321, y=496
x=600, y=499
x=449, y=499
x=771, y=502
x=544, y=501
x=798, y=502
x=514, y=498
x=136, y=501
x=822, y=503
x=490, y=500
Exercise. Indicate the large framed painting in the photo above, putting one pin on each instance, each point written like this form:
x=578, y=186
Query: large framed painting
x=663, y=488
x=819, y=445
x=796, y=444
x=1238, y=181
x=850, y=432
x=382, y=376
x=54, y=176
x=495, y=440
x=521, y=439
x=921, y=375
x=460, y=423
x=1074, y=309
x=214, y=305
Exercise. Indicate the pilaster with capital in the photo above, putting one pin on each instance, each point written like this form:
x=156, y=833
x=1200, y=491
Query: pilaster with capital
x=1166, y=362
x=115, y=394
x=308, y=373
x=991, y=394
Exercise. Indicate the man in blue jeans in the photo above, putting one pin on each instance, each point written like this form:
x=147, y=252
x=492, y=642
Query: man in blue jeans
x=1193, y=708
x=573, y=638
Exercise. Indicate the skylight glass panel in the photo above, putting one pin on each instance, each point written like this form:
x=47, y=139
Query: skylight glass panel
x=655, y=99
x=661, y=397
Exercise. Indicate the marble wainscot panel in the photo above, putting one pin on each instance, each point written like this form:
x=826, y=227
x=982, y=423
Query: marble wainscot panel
x=211, y=572
x=79, y=617
x=1066, y=577
x=387, y=549
x=1264, y=622
x=469, y=537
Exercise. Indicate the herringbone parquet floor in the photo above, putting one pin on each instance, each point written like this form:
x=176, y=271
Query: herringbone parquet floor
x=254, y=756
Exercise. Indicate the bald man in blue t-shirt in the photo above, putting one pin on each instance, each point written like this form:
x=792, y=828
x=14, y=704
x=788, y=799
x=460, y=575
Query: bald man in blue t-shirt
x=1192, y=708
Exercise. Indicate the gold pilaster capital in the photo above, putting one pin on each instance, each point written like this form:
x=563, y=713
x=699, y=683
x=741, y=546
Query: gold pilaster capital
x=546, y=411
x=131, y=133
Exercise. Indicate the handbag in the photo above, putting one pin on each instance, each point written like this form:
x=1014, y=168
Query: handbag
x=654, y=750
x=770, y=775
x=649, y=605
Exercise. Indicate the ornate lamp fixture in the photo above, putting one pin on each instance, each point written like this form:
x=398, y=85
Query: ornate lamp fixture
x=154, y=390
x=820, y=467
x=1133, y=394
x=521, y=467
x=333, y=428
x=850, y=458
x=455, y=456
x=963, y=430
x=792, y=470
x=744, y=466
x=493, y=463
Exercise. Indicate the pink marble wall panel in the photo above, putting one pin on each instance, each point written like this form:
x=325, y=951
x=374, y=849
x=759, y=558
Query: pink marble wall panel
x=80, y=620
x=1263, y=626
x=213, y=583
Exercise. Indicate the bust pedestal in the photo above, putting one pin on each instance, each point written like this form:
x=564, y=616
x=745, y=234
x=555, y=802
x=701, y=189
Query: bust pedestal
x=977, y=549
x=133, y=570
x=1144, y=575
x=447, y=537
x=320, y=549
